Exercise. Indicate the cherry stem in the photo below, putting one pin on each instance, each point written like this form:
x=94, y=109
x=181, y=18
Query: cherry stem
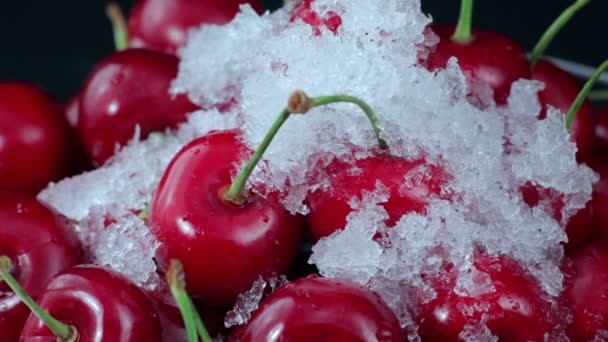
x=192, y=320
x=554, y=29
x=299, y=103
x=463, y=35
x=64, y=332
x=580, y=99
x=598, y=95
x=119, y=26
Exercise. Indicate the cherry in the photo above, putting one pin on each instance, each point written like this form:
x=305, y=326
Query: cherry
x=485, y=57
x=321, y=309
x=72, y=110
x=127, y=89
x=517, y=309
x=169, y=32
x=303, y=11
x=599, y=200
x=223, y=246
x=36, y=147
x=600, y=132
x=586, y=292
x=579, y=228
x=560, y=91
x=93, y=303
x=330, y=206
x=38, y=248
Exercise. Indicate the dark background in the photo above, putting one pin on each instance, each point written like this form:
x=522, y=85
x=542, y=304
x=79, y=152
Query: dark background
x=56, y=43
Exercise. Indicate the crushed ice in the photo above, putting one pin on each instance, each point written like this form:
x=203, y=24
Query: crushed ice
x=259, y=61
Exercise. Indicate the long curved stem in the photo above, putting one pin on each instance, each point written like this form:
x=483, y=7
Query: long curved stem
x=64, y=332
x=554, y=29
x=192, y=320
x=462, y=34
x=298, y=103
x=580, y=99
x=119, y=26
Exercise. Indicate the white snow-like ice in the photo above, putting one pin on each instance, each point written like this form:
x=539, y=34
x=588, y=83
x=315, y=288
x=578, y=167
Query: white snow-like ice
x=260, y=60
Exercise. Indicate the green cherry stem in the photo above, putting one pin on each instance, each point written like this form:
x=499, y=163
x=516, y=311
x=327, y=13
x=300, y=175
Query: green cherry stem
x=598, y=95
x=554, y=29
x=462, y=34
x=64, y=332
x=580, y=99
x=119, y=26
x=192, y=320
x=299, y=103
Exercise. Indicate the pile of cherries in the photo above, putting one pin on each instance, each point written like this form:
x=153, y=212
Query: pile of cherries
x=217, y=239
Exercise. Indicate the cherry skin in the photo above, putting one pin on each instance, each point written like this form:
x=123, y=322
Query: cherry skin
x=600, y=132
x=579, y=228
x=321, y=309
x=515, y=311
x=102, y=304
x=490, y=58
x=330, y=207
x=36, y=146
x=38, y=248
x=560, y=91
x=586, y=292
x=127, y=89
x=72, y=110
x=599, y=199
x=169, y=32
x=223, y=247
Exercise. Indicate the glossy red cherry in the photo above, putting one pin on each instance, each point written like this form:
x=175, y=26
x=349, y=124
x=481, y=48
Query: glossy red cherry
x=163, y=25
x=223, y=247
x=579, y=228
x=410, y=184
x=321, y=309
x=72, y=110
x=586, y=292
x=517, y=309
x=303, y=11
x=599, y=200
x=600, y=132
x=127, y=89
x=36, y=144
x=490, y=58
x=560, y=91
x=38, y=248
x=103, y=306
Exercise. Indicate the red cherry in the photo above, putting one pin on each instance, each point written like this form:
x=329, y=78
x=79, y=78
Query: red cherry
x=101, y=304
x=321, y=309
x=171, y=321
x=580, y=228
x=586, y=292
x=127, y=89
x=38, y=248
x=330, y=207
x=560, y=91
x=163, y=25
x=599, y=198
x=517, y=310
x=36, y=145
x=490, y=58
x=600, y=132
x=72, y=110
x=223, y=247
x=303, y=11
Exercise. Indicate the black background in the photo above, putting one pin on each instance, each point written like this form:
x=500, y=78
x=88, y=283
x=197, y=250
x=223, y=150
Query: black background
x=56, y=43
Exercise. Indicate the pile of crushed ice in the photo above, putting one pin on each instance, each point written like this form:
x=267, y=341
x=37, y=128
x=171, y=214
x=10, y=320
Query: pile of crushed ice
x=259, y=61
